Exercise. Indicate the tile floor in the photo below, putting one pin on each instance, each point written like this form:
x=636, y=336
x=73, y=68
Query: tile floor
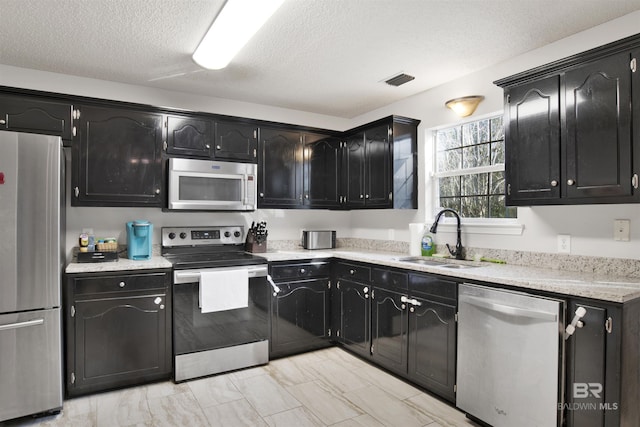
x=328, y=387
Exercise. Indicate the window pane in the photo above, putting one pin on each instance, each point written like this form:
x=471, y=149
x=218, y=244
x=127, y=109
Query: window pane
x=449, y=160
x=497, y=130
x=448, y=138
x=497, y=152
x=450, y=202
x=477, y=155
x=474, y=185
x=497, y=208
x=475, y=132
x=497, y=183
x=474, y=207
x=450, y=186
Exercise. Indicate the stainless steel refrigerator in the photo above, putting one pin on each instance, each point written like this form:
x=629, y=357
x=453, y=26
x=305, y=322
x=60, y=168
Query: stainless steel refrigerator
x=31, y=259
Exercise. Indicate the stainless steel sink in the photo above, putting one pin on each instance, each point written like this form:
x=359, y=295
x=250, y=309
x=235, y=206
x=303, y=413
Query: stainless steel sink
x=436, y=263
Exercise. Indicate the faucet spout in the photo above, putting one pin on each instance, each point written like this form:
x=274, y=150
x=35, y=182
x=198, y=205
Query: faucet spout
x=458, y=253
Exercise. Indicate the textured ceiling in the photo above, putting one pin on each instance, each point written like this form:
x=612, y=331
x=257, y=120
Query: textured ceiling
x=324, y=56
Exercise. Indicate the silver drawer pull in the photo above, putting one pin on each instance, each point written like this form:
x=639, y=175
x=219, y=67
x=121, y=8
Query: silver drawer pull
x=554, y=183
x=122, y=284
x=570, y=182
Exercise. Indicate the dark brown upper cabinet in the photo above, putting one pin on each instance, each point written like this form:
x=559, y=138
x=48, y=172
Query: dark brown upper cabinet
x=189, y=136
x=568, y=129
x=117, y=158
x=37, y=115
x=236, y=141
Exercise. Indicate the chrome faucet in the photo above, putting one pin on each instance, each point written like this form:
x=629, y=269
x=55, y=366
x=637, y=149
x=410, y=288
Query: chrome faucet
x=459, y=252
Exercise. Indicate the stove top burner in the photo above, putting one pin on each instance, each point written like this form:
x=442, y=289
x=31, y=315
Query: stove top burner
x=206, y=247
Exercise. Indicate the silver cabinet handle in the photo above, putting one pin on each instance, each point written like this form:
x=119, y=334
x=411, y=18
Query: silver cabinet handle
x=157, y=191
x=21, y=324
x=362, y=196
x=411, y=301
x=261, y=194
x=554, y=183
x=122, y=284
x=218, y=147
x=76, y=191
x=366, y=197
x=3, y=122
x=275, y=287
x=207, y=146
x=302, y=271
x=570, y=182
x=352, y=272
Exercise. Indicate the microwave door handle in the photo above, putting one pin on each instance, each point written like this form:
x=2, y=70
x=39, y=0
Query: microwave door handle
x=245, y=197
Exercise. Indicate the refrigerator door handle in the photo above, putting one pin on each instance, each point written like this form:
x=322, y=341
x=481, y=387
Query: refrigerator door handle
x=21, y=324
x=511, y=310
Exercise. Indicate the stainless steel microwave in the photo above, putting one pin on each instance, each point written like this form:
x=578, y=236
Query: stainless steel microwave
x=210, y=185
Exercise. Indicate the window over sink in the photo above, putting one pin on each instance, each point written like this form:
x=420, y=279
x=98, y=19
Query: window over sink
x=469, y=169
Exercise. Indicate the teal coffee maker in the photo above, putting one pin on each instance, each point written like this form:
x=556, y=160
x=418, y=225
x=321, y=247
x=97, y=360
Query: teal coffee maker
x=139, y=237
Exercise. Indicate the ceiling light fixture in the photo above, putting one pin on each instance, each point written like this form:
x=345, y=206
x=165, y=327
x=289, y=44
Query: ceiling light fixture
x=464, y=106
x=234, y=26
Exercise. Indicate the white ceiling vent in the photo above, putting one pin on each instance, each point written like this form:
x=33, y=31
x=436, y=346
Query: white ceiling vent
x=400, y=79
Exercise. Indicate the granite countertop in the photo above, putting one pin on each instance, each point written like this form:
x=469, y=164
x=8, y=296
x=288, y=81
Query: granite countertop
x=571, y=283
x=123, y=264
x=589, y=285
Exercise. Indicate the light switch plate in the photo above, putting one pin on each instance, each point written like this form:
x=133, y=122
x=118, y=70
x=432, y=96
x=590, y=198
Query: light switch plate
x=621, y=230
x=564, y=244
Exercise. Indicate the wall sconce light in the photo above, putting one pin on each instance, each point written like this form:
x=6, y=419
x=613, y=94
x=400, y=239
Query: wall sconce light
x=464, y=106
x=236, y=23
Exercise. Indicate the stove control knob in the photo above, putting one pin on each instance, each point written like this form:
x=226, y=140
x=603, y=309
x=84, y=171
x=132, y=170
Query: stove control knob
x=183, y=235
x=227, y=234
x=172, y=235
x=236, y=234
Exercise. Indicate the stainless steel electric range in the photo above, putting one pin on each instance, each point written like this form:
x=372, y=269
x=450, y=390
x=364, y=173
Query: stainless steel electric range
x=221, y=301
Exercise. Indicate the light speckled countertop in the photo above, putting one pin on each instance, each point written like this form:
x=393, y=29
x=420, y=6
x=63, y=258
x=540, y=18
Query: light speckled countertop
x=123, y=264
x=589, y=285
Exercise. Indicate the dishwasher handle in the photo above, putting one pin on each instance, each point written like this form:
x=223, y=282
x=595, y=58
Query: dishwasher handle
x=508, y=309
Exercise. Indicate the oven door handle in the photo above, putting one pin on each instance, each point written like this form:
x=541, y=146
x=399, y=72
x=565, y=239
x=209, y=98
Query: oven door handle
x=191, y=276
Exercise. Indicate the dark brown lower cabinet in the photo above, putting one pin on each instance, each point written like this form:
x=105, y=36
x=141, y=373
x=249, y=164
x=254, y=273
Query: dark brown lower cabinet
x=118, y=330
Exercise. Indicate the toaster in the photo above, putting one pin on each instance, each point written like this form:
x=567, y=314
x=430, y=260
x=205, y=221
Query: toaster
x=315, y=239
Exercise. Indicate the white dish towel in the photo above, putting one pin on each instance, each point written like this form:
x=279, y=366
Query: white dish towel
x=223, y=290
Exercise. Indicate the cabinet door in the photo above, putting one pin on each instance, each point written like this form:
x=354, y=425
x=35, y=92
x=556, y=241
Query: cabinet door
x=354, y=167
x=355, y=316
x=378, y=167
x=389, y=330
x=405, y=164
x=280, y=169
x=300, y=317
x=35, y=115
x=321, y=171
x=117, y=158
x=189, y=136
x=532, y=135
x=593, y=366
x=120, y=341
x=598, y=148
x=236, y=141
x=432, y=346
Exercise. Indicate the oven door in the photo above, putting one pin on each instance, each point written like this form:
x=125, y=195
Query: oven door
x=208, y=185
x=209, y=343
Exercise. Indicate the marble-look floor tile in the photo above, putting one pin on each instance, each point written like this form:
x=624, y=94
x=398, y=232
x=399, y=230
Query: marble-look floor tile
x=346, y=359
x=248, y=373
x=387, y=382
x=123, y=407
x=265, y=394
x=439, y=411
x=341, y=378
x=386, y=408
x=297, y=417
x=238, y=413
x=177, y=410
x=325, y=404
x=290, y=371
x=214, y=390
x=365, y=420
x=166, y=388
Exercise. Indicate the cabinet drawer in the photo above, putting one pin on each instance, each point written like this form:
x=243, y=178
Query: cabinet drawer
x=120, y=283
x=300, y=270
x=435, y=286
x=388, y=278
x=353, y=271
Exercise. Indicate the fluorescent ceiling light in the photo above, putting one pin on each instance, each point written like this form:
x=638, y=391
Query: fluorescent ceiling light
x=234, y=26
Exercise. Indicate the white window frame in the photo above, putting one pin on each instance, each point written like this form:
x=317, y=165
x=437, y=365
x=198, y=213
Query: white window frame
x=496, y=226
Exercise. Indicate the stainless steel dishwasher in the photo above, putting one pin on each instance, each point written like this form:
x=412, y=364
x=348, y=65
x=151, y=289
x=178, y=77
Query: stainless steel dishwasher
x=510, y=357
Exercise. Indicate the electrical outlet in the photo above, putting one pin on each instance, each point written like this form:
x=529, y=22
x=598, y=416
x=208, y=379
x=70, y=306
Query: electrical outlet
x=621, y=230
x=564, y=244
